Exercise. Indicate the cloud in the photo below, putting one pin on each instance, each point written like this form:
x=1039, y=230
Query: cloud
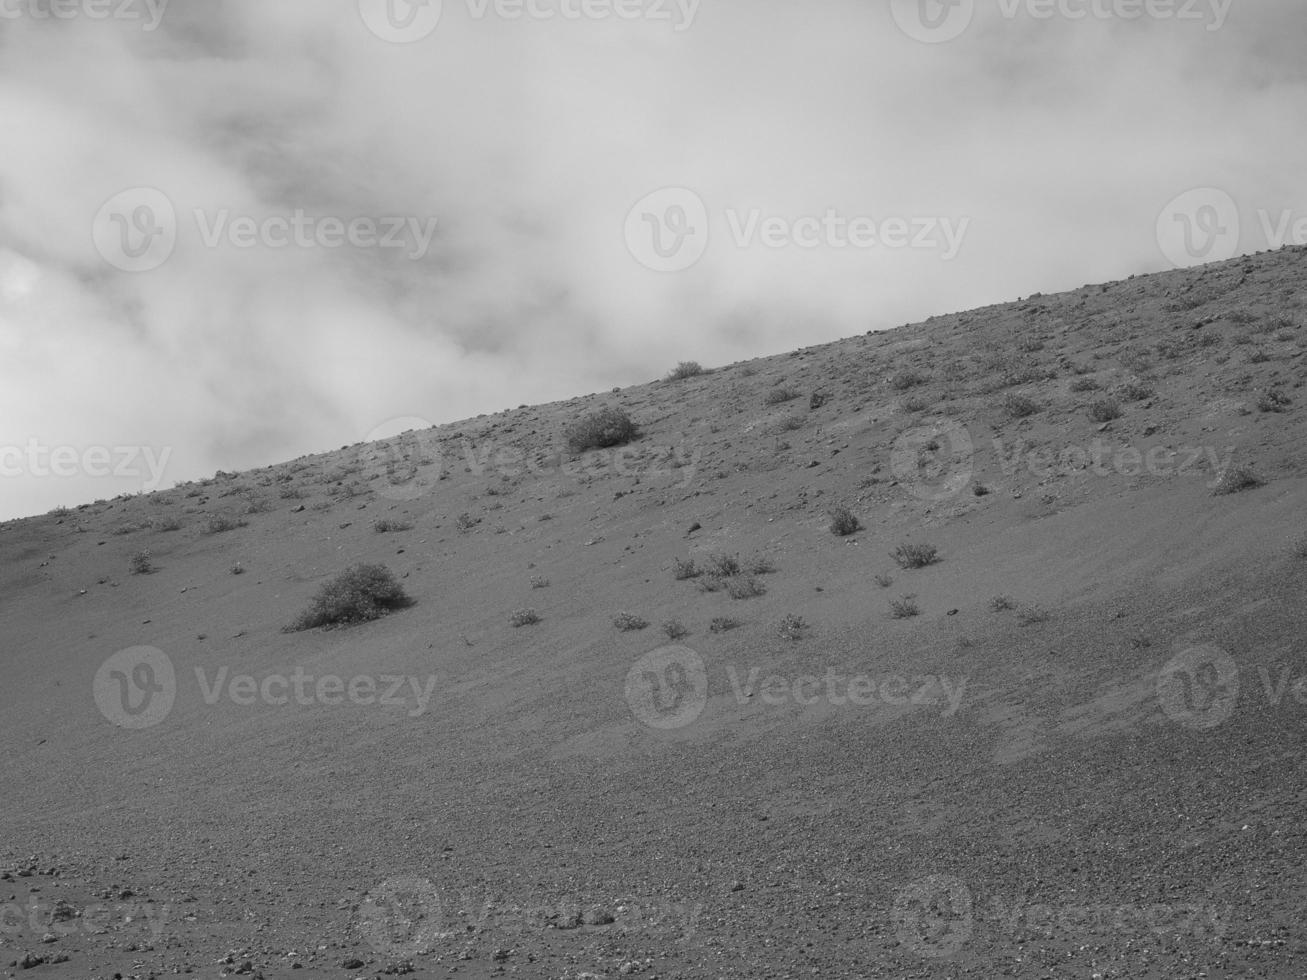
x=527, y=142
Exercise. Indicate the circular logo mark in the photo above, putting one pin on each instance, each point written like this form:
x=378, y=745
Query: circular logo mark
x=667, y=231
x=668, y=687
x=405, y=445
x=932, y=917
x=934, y=461
x=933, y=21
x=401, y=21
x=1201, y=225
x=1199, y=687
x=402, y=917
x=136, y=687
x=136, y=229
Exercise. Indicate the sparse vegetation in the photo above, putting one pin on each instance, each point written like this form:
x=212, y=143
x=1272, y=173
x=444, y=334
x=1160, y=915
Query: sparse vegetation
x=220, y=523
x=1019, y=406
x=685, y=568
x=686, y=369
x=1237, y=479
x=884, y=581
x=844, y=522
x=675, y=629
x=141, y=563
x=744, y=587
x=238, y=569
x=760, y=565
x=385, y=525
x=600, y=430
x=1134, y=391
x=1002, y=603
x=1105, y=410
x=723, y=624
x=791, y=627
x=628, y=622
x=904, y=607
x=909, y=555
x=916, y=403
x=166, y=524
x=780, y=395
x=1029, y=615
x=906, y=379
x=1273, y=400
x=523, y=617
x=539, y=582
x=723, y=566
x=359, y=594
x=465, y=522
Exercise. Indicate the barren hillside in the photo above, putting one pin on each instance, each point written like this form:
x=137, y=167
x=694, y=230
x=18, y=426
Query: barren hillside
x=1040, y=713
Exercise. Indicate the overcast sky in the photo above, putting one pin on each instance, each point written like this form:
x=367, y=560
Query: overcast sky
x=236, y=231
